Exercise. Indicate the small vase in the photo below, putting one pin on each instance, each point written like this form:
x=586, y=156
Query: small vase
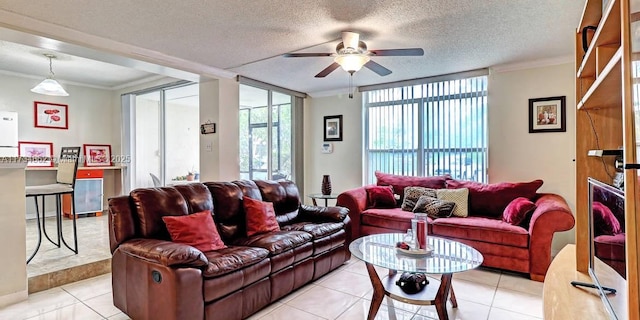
x=326, y=185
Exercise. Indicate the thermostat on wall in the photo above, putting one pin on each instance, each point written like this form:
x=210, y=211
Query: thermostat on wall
x=327, y=147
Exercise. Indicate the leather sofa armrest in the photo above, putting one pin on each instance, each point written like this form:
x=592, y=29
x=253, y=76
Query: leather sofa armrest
x=324, y=214
x=356, y=201
x=552, y=215
x=163, y=252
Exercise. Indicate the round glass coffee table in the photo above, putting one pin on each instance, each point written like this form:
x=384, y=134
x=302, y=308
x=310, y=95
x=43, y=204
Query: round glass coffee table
x=448, y=257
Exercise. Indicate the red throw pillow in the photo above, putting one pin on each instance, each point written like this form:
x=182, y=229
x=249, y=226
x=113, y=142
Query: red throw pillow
x=260, y=215
x=197, y=230
x=492, y=199
x=380, y=197
x=399, y=182
x=517, y=210
x=604, y=221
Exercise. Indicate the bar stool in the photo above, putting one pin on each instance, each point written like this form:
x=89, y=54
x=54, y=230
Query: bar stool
x=65, y=182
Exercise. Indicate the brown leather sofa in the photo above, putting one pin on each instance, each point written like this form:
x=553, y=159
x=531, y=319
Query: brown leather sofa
x=155, y=278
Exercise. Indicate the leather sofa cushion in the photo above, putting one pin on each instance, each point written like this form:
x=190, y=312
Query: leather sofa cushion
x=481, y=229
x=395, y=218
x=317, y=230
x=276, y=242
x=231, y=259
x=154, y=203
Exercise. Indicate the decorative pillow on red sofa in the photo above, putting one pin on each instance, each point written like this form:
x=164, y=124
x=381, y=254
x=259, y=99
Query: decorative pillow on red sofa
x=380, y=197
x=492, y=199
x=260, y=216
x=434, y=208
x=517, y=210
x=399, y=182
x=197, y=230
x=413, y=194
x=604, y=221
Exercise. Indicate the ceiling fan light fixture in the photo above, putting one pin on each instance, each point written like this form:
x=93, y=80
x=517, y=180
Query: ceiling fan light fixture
x=352, y=62
x=50, y=86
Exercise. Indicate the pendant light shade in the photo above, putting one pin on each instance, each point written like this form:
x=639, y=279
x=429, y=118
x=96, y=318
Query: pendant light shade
x=50, y=86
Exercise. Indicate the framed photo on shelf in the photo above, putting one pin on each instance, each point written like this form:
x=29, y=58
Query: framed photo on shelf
x=97, y=155
x=548, y=114
x=41, y=153
x=50, y=115
x=333, y=128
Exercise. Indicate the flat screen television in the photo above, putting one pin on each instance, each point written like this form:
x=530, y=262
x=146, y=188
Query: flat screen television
x=607, y=265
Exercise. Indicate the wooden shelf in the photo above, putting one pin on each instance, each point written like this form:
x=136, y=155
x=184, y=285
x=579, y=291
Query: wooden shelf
x=590, y=14
x=608, y=33
x=605, y=91
x=563, y=301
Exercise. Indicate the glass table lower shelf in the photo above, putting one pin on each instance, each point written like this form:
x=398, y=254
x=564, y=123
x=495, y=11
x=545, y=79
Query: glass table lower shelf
x=448, y=257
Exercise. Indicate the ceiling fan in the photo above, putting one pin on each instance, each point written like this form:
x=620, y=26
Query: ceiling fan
x=352, y=54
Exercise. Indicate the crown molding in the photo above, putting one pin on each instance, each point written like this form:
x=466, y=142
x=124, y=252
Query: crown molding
x=532, y=64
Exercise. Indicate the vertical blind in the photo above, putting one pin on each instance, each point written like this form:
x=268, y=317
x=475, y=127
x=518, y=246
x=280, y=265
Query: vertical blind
x=429, y=128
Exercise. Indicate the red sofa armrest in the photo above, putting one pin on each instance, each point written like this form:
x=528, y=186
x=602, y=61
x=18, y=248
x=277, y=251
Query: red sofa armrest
x=166, y=253
x=552, y=215
x=356, y=201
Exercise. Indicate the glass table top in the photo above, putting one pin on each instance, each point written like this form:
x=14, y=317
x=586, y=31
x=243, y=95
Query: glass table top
x=448, y=256
x=323, y=196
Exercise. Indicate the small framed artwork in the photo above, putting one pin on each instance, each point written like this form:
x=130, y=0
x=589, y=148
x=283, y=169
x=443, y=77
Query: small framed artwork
x=97, y=155
x=333, y=128
x=40, y=153
x=50, y=115
x=548, y=114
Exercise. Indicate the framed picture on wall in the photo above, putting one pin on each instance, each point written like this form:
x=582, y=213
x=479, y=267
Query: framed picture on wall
x=40, y=153
x=333, y=128
x=548, y=114
x=97, y=155
x=50, y=115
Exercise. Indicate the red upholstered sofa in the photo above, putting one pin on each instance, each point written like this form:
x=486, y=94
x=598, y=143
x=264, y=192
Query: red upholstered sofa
x=154, y=277
x=510, y=247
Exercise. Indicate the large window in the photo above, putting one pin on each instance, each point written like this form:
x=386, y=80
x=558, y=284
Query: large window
x=265, y=134
x=431, y=128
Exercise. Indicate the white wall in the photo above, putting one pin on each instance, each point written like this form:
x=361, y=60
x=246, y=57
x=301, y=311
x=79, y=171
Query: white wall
x=89, y=111
x=517, y=155
x=219, y=159
x=344, y=165
x=514, y=153
x=90, y=122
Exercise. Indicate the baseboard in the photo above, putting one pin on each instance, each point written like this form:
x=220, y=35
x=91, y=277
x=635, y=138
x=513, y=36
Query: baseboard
x=12, y=298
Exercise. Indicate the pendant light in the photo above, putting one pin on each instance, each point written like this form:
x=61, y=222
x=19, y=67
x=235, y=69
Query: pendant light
x=50, y=86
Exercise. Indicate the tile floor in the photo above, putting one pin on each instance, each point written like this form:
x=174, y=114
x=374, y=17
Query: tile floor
x=93, y=243
x=345, y=294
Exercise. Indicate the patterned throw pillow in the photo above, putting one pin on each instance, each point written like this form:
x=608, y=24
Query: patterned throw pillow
x=412, y=194
x=459, y=196
x=434, y=208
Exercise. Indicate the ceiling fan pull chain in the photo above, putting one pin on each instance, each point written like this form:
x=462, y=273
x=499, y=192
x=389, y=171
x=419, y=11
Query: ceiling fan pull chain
x=350, y=85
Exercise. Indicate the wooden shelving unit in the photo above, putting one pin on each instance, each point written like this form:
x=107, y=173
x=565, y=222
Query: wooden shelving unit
x=605, y=119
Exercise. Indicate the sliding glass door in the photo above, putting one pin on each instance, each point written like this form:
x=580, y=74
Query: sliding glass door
x=161, y=133
x=265, y=134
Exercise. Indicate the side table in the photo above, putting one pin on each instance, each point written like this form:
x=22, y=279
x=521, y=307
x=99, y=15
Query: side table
x=326, y=198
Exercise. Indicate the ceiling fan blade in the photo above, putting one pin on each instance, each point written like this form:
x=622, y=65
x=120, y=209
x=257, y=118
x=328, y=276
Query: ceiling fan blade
x=399, y=52
x=327, y=70
x=302, y=55
x=350, y=39
x=377, y=68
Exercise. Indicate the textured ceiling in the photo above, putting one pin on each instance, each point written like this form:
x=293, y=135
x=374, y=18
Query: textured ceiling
x=249, y=37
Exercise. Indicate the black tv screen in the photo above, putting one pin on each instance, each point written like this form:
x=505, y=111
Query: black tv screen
x=607, y=265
